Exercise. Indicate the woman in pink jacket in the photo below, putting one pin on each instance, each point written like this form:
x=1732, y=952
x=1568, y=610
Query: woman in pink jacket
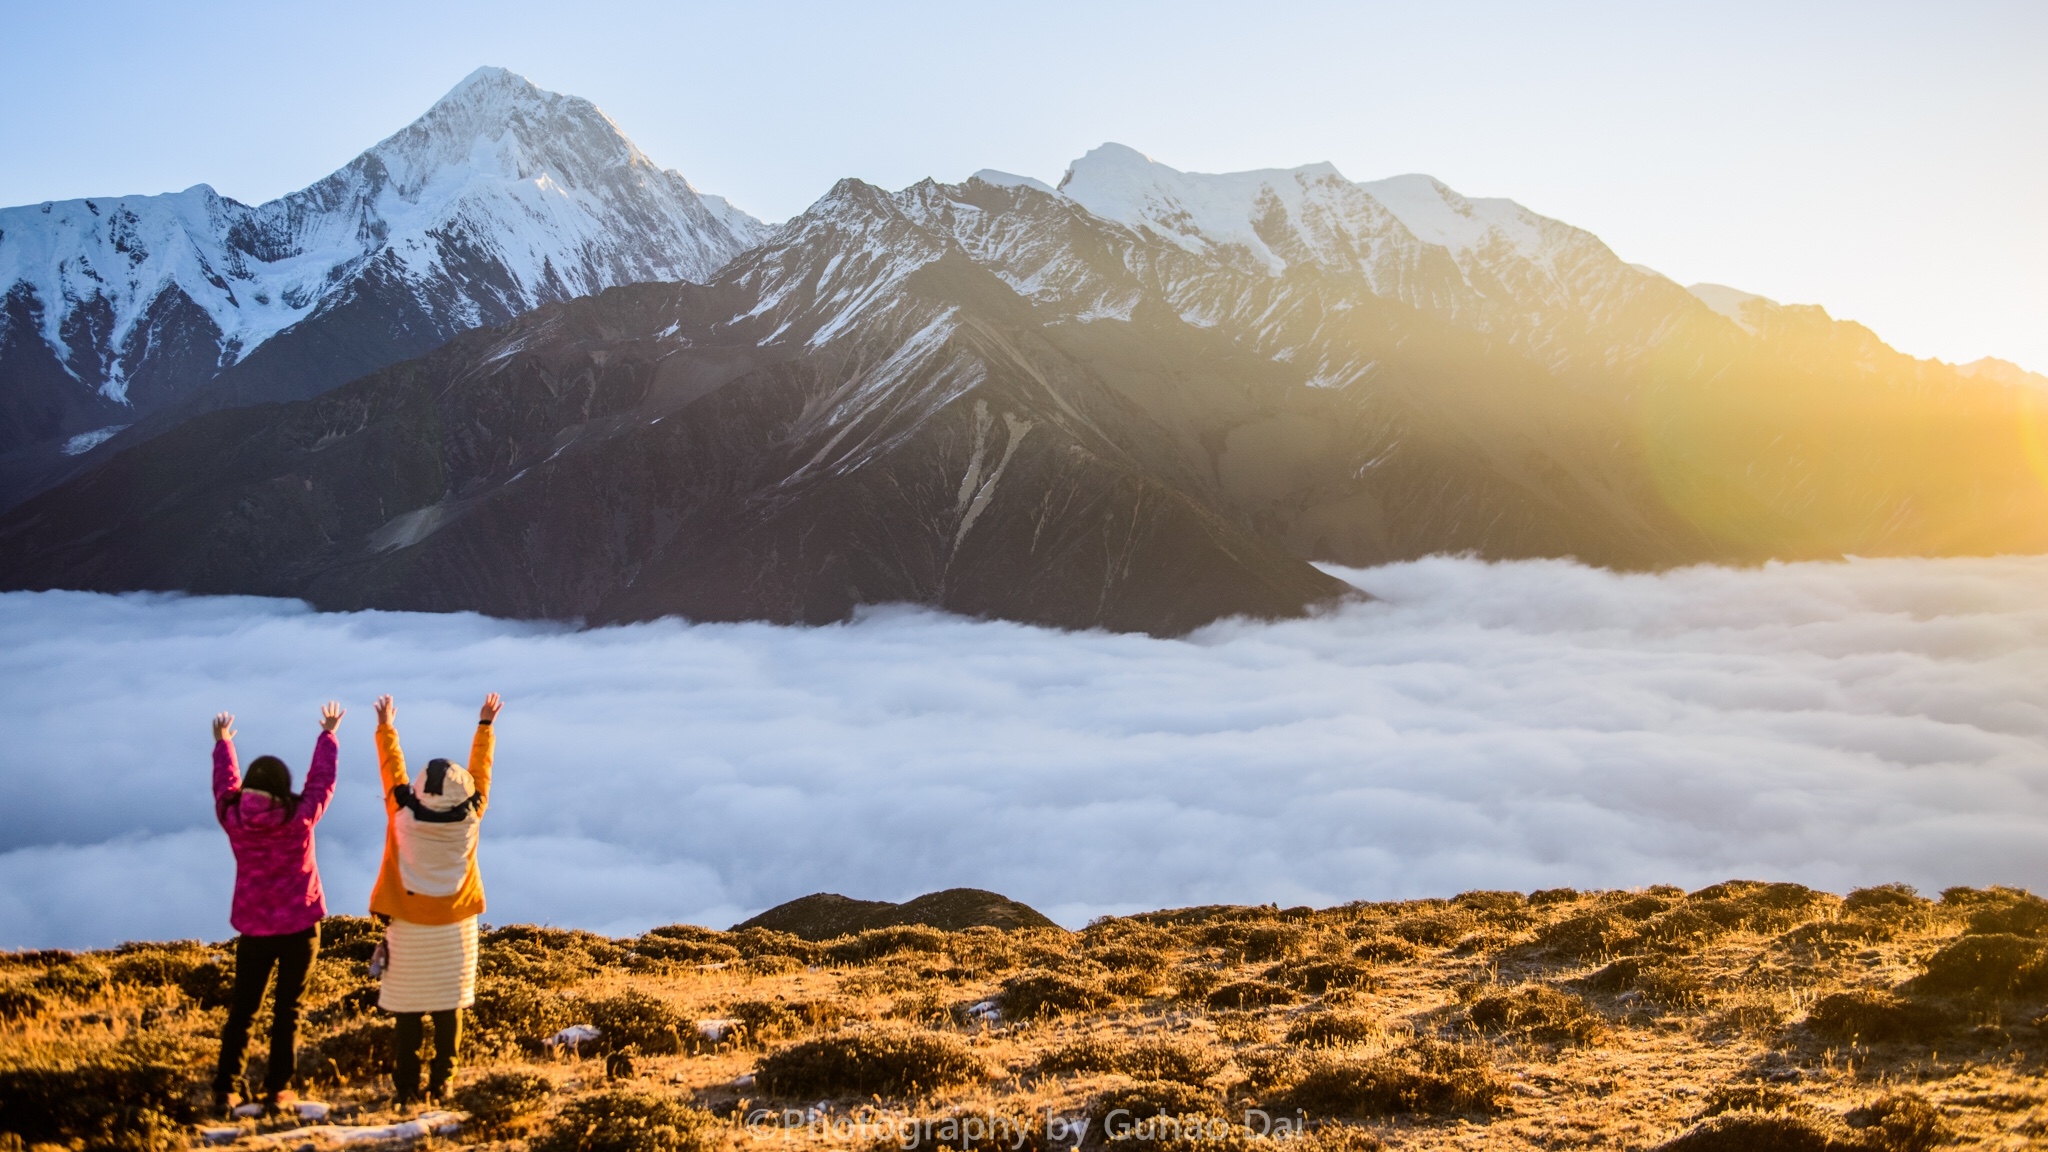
x=278, y=901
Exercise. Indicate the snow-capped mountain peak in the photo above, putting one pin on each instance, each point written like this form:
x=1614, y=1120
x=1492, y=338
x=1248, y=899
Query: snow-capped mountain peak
x=1488, y=263
x=500, y=197
x=1003, y=179
x=1215, y=214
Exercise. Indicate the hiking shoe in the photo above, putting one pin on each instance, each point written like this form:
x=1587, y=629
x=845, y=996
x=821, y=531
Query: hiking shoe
x=282, y=1102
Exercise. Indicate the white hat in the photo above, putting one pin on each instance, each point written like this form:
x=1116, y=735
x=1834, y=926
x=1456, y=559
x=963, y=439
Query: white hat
x=446, y=785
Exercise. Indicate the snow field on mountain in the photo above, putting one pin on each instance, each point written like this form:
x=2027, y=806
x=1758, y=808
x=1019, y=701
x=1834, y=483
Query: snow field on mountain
x=1501, y=726
x=1206, y=211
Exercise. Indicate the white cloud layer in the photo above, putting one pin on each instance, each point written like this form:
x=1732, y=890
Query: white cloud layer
x=1504, y=726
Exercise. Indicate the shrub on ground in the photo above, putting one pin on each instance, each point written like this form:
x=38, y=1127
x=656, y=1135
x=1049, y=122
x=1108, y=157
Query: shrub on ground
x=1537, y=1012
x=1195, y=980
x=1435, y=929
x=1874, y=1017
x=1240, y=1028
x=1901, y=1122
x=1968, y=902
x=1334, y=1029
x=1243, y=994
x=36, y=959
x=928, y=1005
x=1747, y=1018
x=981, y=951
x=1987, y=966
x=877, y=943
x=509, y=1015
x=541, y=958
x=1887, y=902
x=754, y=942
x=1270, y=1068
x=1642, y=906
x=1257, y=941
x=353, y=1000
x=1747, y=1131
x=1429, y=1077
x=1682, y=929
x=1385, y=950
x=1318, y=974
x=865, y=1061
x=1145, y=1058
x=210, y=983
x=20, y=1004
x=349, y=939
x=1152, y=1098
x=898, y=974
x=156, y=965
x=770, y=964
x=1587, y=935
x=1133, y=939
x=602, y=950
x=1134, y=969
x=1503, y=913
x=2020, y=914
x=1748, y=1098
x=132, y=1097
x=769, y=1021
x=1137, y=983
x=1674, y=985
x=1037, y=993
x=1851, y=931
x=76, y=980
x=634, y=1018
x=1755, y=906
x=358, y=1054
x=629, y=1120
x=686, y=944
x=498, y=1101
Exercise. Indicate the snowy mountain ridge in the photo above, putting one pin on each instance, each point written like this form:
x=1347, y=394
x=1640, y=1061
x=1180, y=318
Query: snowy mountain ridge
x=501, y=197
x=1554, y=290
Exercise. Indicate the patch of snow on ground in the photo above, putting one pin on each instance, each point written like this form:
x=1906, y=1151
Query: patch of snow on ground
x=85, y=442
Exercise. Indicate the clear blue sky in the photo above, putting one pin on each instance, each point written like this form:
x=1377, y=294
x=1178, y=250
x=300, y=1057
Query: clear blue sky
x=1888, y=161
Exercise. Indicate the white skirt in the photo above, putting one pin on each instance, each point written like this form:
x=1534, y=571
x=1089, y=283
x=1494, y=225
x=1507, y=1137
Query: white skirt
x=432, y=966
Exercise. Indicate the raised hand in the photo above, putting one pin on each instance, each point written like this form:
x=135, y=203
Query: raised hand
x=386, y=711
x=489, y=711
x=330, y=716
x=224, y=726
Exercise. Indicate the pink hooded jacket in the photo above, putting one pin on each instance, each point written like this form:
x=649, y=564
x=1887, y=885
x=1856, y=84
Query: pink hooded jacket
x=277, y=880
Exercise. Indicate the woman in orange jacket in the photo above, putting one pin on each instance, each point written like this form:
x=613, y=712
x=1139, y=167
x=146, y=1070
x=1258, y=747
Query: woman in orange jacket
x=429, y=895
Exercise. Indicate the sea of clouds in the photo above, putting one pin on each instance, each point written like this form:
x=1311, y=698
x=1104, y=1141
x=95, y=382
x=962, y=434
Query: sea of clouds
x=1514, y=725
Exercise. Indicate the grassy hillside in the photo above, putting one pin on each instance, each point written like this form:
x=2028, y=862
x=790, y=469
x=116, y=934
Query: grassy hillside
x=1741, y=1016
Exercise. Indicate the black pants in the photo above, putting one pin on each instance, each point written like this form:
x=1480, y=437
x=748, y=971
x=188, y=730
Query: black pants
x=292, y=955
x=411, y=1030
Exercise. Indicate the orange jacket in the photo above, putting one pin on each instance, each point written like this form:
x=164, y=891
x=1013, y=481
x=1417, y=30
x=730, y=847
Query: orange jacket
x=390, y=897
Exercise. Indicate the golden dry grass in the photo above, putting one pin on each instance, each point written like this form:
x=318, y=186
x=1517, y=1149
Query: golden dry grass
x=1740, y=1016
